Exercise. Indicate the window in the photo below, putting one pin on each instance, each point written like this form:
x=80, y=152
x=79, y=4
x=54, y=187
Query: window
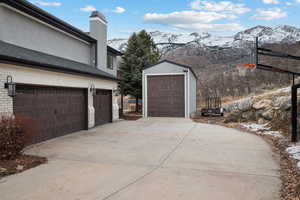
x=110, y=62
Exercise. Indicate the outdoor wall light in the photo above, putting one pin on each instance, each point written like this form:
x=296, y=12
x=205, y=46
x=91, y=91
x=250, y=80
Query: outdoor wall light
x=11, y=86
x=93, y=89
x=115, y=92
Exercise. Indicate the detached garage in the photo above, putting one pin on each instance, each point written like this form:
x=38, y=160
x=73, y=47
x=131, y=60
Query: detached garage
x=169, y=90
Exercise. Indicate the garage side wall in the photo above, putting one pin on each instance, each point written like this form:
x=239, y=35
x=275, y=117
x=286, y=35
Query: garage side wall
x=6, y=103
x=161, y=69
x=193, y=93
x=26, y=75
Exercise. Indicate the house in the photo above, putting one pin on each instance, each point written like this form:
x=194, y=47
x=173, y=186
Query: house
x=169, y=90
x=65, y=78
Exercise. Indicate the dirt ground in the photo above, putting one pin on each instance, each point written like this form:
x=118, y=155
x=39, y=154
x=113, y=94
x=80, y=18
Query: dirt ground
x=20, y=164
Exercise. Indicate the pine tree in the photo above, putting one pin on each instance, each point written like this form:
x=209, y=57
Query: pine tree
x=141, y=51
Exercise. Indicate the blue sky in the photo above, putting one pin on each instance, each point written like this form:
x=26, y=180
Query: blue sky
x=219, y=17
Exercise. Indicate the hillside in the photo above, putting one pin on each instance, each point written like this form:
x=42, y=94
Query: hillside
x=214, y=58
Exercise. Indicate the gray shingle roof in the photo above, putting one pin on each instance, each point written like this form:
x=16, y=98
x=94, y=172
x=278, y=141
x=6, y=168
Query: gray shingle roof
x=14, y=54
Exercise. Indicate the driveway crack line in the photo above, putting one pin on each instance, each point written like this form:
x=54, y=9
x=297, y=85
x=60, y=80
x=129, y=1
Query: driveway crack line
x=152, y=170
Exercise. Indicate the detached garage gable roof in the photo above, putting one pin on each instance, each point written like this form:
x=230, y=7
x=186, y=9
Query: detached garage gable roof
x=13, y=54
x=174, y=63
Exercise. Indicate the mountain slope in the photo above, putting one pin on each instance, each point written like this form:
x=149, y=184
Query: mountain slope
x=278, y=34
x=214, y=58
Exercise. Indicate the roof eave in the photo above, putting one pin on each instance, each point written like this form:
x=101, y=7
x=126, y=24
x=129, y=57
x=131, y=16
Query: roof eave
x=174, y=63
x=48, y=67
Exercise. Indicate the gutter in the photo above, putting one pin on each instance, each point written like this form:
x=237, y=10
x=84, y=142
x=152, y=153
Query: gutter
x=49, y=67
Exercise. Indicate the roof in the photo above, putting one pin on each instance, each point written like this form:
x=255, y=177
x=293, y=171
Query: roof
x=13, y=54
x=114, y=51
x=174, y=63
x=44, y=16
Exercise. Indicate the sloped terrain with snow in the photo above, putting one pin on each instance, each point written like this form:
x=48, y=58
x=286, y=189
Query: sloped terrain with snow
x=278, y=34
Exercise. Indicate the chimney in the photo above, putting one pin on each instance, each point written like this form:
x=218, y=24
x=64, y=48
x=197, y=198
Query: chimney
x=98, y=30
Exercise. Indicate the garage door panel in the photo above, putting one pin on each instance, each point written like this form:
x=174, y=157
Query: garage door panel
x=166, y=96
x=54, y=111
x=103, y=107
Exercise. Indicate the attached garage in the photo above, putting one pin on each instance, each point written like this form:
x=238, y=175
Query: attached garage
x=103, y=107
x=55, y=111
x=169, y=90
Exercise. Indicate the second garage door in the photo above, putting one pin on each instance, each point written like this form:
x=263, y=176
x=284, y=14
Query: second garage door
x=103, y=107
x=55, y=111
x=166, y=96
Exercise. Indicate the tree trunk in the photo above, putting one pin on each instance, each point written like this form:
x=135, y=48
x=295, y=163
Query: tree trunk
x=137, y=104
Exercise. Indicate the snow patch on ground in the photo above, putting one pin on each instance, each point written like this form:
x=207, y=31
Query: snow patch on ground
x=294, y=151
x=261, y=129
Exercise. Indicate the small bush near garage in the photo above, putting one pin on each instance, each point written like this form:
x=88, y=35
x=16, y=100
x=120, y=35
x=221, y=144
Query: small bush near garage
x=15, y=134
x=12, y=138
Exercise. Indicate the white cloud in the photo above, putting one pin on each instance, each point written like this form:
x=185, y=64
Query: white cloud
x=270, y=1
x=222, y=6
x=88, y=8
x=186, y=17
x=45, y=3
x=269, y=14
x=193, y=20
x=231, y=27
x=119, y=10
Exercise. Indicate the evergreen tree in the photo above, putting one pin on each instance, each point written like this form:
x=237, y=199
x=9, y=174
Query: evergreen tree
x=140, y=52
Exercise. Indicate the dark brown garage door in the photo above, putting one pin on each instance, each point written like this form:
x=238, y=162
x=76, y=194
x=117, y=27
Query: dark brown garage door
x=103, y=107
x=55, y=111
x=166, y=96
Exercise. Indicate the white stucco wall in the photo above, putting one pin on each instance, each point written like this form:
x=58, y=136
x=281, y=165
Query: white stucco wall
x=166, y=68
x=25, y=31
x=27, y=75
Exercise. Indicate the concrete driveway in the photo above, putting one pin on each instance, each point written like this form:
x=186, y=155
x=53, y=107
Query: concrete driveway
x=150, y=159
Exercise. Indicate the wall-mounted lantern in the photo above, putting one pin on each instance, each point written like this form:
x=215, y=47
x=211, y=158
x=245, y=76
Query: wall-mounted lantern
x=93, y=89
x=115, y=92
x=10, y=86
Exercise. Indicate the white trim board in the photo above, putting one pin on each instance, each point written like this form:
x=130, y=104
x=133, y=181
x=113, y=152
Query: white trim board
x=186, y=97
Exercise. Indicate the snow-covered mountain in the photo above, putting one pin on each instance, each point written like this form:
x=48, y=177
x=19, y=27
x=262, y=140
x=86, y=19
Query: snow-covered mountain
x=278, y=34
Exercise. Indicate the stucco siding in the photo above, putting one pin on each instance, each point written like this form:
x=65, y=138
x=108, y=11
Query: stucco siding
x=27, y=75
x=22, y=30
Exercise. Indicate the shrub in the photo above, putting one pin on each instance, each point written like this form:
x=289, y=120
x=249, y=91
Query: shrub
x=12, y=137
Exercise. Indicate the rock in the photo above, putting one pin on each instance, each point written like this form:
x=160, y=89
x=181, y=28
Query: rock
x=268, y=115
x=249, y=116
x=2, y=170
x=20, y=167
x=241, y=105
x=244, y=104
x=262, y=121
x=284, y=102
x=233, y=117
x=262, y=104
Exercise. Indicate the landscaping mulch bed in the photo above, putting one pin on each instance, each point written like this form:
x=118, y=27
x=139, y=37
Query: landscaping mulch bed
x=20, y=164
x=289, y=173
